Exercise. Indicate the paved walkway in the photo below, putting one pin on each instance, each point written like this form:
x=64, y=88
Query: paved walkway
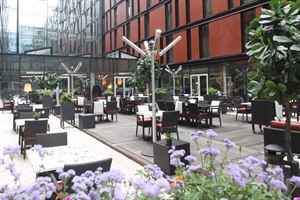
x=75, y=137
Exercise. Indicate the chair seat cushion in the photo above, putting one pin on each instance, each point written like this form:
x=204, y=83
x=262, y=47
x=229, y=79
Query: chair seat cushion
x=145, y=120
x=243, y=109
x=281, y=125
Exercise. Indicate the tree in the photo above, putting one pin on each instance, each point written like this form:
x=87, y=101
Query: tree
x=274, y=47
x=142, y=75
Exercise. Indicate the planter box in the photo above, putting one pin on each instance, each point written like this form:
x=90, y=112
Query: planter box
x=86, y=121
x=259, y=114
x=67, y=113
x=48, y=103
x=162, y=157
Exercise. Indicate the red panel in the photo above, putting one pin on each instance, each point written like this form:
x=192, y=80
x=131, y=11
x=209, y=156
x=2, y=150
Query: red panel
x=195, y=43
x=109, y=22
x=107, y=43
x=220, y=6
x=119, y=37
x=237, y=3
x=157, y=22
x=225, y=36
x=134, y=30
x=135, y=7
x=179, y=49
x=106, y=5
x=196, y=10
x=155, y=2
x=122, y=12
x=143, y=5
x=182, y=13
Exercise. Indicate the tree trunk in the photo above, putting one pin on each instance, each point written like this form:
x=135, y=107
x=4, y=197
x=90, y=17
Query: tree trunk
x=288, y=140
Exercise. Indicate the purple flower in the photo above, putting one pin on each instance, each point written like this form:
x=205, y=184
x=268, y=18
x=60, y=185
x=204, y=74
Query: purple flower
x=193, y=168
x=1, y=161
x=195, y=134
x=210, y=151
x=163, y=183
x=115, y=176
x=238, y=175
x=44, y=184
x=177, y=154
x=40, y=150
x=295, y=180
x=190, y=158
x=210, y=133
x=154, y=171
x=12, y=150
x=176, y=162
x=66, y=175
x=12, y=170
x=229, y=143
x=277, y=184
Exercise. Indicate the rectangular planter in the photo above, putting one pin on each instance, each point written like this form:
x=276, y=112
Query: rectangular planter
x=67, y=113
x=162, y=157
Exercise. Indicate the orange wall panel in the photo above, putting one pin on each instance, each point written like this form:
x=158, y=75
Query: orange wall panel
x=122, y=12
x=155, y=2
x=109, y=22
x=157, y=22
x=120, y=34
x=225, y=36
x=134, y=30
x=195, y=43
x=220, y=6
x=182, y=13
x=196, y=10
x=179, y=49
x=135, y=7
x=143, y=5
x=142, y=27
x=237, y=3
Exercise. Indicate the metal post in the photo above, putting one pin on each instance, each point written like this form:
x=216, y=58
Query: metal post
x=173, y=84
x=153, y=99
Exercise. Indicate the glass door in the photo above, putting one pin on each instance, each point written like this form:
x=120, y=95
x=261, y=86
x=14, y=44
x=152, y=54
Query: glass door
x=122, y=87
x=199, y=84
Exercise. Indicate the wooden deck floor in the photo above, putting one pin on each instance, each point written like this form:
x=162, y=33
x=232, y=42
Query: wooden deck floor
x=121, y=136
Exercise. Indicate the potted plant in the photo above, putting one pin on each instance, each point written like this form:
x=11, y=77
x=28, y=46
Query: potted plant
x=273, y=46
x=108, y=92
x=37, y=115
x=168, y=137
x=67, y=108
x=161, y=93
x=212, y=94
x=51, y=83
x=212, y=91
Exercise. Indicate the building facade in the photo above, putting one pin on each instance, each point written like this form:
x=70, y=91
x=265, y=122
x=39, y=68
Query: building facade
x=211, y=52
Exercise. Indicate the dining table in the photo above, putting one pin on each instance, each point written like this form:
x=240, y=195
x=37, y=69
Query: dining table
x=54, y=158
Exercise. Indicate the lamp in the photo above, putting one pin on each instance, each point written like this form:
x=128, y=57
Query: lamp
x=27, y=89
x=173, y=72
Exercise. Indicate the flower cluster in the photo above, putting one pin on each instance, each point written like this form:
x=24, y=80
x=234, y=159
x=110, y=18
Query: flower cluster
x=167, y=136
x=210, y=177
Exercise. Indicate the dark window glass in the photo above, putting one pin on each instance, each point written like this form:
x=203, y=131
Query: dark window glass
x=149, y=3
x=170, y=55
x=246, y=18
x=246, y=1
x=207, y=8
x=128, y=30
x=188, y=38
x=187, y=7
x=168, y=16
x=116, y=16
x=176, y=13
x=147, y=25
x=204, y=41
x=230, y=4
x=115, y=39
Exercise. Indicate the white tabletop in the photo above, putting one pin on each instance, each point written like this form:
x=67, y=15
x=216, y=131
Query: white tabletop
x=246, y=103
x=159, y=113
x=61, y=155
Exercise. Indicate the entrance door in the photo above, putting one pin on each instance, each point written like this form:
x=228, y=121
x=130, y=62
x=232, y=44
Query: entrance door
x=122, y=87
x=199, y=84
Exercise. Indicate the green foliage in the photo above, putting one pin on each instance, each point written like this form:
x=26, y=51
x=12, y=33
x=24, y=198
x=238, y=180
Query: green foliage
x=108, y=91
x=142, y=74
x=160, y=91
x=66, y=97
x=51, y=81
x=274, y=46
x=37, y=115
x=212, y=90
x=47, y=93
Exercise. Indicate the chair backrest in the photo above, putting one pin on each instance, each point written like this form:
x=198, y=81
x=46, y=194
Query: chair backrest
x=170, y=118
x=52, y=139
x=81, y=168
x=44, y=112
x=25, y=115
x=24, y=110
x=238, y=101
x=170, y=106
x=142, y=108
x=33, y=127
x=22, y=106
x=175, y=98
x=98, y=108
x=1, y=103
x=192, y=101
x=203, y=102
x=215, y=103
x=161, y=105
x=184, y=99
x=111, y=107
x=193, y=109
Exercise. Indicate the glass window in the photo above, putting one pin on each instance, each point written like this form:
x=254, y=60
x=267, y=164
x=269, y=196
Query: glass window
x=149, y=3
x=246, y=18
x=189, y=50
x=115, y=39
x=204, y=41
x=128, y=30
x=168, y=11
x=147, y=25
x=230, y=4
x=116, y=16
x=170, y=55
x=207, y=8
x=176, y=13
x=246, y=1
x=128, y=9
